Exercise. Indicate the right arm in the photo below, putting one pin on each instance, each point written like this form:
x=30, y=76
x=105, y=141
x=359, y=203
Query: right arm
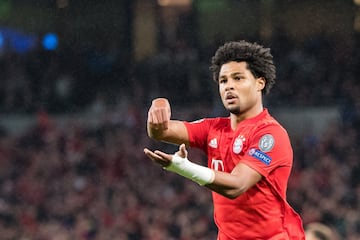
x=161, y=128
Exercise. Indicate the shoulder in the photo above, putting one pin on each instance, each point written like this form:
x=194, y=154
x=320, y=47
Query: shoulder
x=268, y=131
x=270, y=123
x=211, y=121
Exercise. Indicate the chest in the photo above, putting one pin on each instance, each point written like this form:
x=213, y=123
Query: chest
x=226, y=147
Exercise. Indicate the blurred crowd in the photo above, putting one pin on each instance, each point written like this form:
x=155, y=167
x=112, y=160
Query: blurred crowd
x=72, y=180
x=320, y=71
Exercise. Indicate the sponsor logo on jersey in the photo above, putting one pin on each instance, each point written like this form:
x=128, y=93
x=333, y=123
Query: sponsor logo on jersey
x=266, y=143
x=260, y=155
x=217, y=165
x=238, y=144
x=213, y=143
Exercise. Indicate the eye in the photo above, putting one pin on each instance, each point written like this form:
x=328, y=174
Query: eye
x=222, y=80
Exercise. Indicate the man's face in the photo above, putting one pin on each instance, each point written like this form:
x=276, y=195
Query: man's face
x=240, y=91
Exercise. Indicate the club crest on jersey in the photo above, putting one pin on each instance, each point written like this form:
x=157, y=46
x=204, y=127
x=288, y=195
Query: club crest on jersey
x=266, y=143
x=238, y=144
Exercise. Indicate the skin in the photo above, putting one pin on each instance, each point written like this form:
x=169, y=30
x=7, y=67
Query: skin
x=241, y=95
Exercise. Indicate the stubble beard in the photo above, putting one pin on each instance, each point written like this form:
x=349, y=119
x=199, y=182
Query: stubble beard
x=234, y=110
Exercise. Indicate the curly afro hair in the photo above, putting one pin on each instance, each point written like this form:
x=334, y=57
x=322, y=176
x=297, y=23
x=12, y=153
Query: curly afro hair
x=258, y=58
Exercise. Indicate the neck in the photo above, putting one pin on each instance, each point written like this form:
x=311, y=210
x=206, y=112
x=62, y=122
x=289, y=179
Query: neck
x=236, y=119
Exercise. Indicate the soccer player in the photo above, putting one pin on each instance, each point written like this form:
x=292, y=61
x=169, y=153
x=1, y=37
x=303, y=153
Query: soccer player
x=249, y=153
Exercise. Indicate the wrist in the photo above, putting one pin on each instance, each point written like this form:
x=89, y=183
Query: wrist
x=197, y=173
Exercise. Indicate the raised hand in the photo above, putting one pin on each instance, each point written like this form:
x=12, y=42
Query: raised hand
x=159, y=114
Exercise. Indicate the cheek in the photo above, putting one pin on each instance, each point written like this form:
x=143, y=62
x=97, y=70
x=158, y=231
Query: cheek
x=246, y=94
x=252, y=95
x=221, y=90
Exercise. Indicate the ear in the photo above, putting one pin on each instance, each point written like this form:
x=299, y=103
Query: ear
x=260, y=83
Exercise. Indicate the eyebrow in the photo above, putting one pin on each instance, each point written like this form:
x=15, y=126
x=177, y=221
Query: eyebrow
x=232, y=74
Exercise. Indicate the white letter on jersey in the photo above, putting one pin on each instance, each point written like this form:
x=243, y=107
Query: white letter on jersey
x=217, y=165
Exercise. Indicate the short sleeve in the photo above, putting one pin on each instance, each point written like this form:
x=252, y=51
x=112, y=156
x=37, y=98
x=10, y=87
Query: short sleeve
x=198, y=132
x=268, y=148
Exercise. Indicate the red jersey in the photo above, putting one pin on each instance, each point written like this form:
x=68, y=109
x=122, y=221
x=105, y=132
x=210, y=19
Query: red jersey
x=263, y=144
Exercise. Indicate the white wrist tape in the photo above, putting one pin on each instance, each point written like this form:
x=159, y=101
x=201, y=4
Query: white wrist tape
x=182, y=166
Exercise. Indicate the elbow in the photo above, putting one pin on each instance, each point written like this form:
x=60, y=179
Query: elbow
x=228, y=186
x=233, y=193
x=232, y=196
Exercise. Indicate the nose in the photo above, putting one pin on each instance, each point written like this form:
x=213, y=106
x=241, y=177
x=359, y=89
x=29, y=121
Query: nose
x=227, y=88
x=229, y=85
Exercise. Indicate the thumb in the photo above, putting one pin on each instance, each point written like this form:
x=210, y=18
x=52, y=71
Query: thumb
x=182, y=151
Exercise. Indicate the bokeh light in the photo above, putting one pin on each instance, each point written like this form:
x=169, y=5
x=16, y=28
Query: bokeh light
x=50, y=41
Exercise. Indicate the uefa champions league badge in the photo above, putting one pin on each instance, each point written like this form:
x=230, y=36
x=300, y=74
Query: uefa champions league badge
x=266, y=143
x=238, y=144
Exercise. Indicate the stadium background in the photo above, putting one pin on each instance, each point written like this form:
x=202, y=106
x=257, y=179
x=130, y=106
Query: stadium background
x=77, y=78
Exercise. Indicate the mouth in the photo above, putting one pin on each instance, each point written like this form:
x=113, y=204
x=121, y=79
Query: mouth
x=230, y=98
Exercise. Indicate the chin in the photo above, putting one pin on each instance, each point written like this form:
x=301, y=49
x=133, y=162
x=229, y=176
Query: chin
x=233, y=110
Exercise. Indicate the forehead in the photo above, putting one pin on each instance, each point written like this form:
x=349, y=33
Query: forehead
x=233, y=67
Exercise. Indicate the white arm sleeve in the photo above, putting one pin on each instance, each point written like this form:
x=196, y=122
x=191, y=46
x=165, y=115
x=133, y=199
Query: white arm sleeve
x=197, y=173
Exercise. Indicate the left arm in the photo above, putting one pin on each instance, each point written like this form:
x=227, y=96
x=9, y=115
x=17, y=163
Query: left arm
x=230, y=185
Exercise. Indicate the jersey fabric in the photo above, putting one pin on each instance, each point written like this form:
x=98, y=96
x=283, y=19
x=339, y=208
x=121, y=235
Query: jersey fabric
x=263, y=144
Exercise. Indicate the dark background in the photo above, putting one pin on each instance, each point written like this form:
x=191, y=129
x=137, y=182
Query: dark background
x=73, y=118
x=117, y=47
